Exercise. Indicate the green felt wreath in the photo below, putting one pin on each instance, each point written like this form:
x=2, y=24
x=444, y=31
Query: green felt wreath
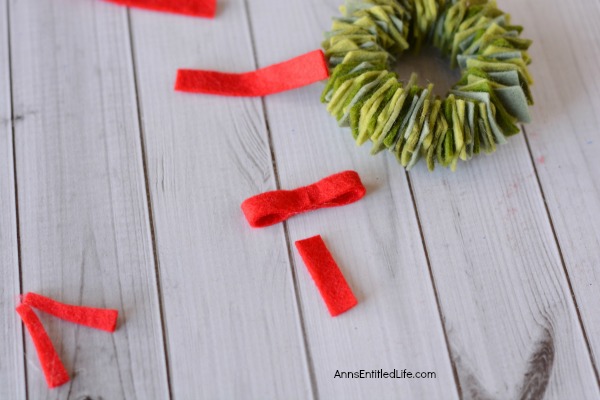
x=479, y=112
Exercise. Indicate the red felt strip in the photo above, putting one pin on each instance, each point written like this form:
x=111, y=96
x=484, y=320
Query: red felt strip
x=297, y=72
x=327, y=276
x=53, y=368
x=272, y=207
x=195, y=8
x=99, y=318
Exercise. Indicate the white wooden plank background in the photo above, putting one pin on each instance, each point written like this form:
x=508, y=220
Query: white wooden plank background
x=128, y=197
x=564, y=140
x=230, y=307
x=84, y=227
x=12, y=373
x=390, y=275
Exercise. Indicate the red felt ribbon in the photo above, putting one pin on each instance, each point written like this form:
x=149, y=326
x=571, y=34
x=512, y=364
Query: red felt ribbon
x=195, y=8
x=53, y=368
x=297, y=72
x=98, y=318
x=272, y=207
x=327, y=276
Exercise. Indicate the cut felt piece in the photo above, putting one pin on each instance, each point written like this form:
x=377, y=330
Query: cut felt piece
x=357, y=89
x=514, y=100
x=486, y=135
x=506, y=121
x=53, y=368
x=362, y=87
x=380, y=14
x=492, y=39
x=396, y=132
x=441, y=126
x=276, y=206
x=354, y=56
x=339, y=76
x=341, y=48
x=502, y=54
x=420, y=131
x=414, y=118
x=98, y=318
x=447, y=153
x=387, y=118
x=291, y=74
x=408, y=126
x=349, y=72
x=485, y=37
x=354, y=109
x=425, y=132
x=194, y=8
x=348, y=89
x=484, y=99
x=506, y=78
x=368, y=118
x=470, y=40
x=511, y=97
x=500, y=66
x=497, y=80
x=326, y=274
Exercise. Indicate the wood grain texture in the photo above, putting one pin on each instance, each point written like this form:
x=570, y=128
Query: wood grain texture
x=12, y=371
x=494, y=259
x=512, y=325
x=85, y=234
x=457, y=273
x=565, y=138
x=510, y=331
x=376, y=241
x=232, y=321
x=499, y=277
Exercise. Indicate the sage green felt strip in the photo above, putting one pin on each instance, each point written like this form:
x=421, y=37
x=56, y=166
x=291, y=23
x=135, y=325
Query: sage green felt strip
x=481, y=110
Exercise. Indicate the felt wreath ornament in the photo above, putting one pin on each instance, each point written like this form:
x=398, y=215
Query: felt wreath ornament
x=480, y=111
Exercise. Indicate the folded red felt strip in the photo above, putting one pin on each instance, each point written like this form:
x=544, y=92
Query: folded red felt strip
x=98, y=318
x=297, y=72
x=53, y=368
x=327, y=276
x=272, y=207
x=195, y=8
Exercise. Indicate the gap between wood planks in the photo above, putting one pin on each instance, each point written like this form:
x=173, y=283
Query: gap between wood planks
x=292, y=265
x=560, y=253
x=434, y=286
x=541, y=191
x=149, y=206
x=16, y=187
x=285, y=227
x=291, y=259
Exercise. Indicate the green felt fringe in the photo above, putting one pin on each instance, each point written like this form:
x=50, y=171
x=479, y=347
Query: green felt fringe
x=480, y=111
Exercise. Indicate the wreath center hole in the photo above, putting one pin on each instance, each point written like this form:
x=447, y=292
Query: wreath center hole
x=431, y=67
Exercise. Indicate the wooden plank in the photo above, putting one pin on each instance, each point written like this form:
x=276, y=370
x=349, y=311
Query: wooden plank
x=232, y=324
x=84, y=225
x=375, y=241
x=505, y=298
x=565, y=138
x=12, y=371
x=510, y=318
